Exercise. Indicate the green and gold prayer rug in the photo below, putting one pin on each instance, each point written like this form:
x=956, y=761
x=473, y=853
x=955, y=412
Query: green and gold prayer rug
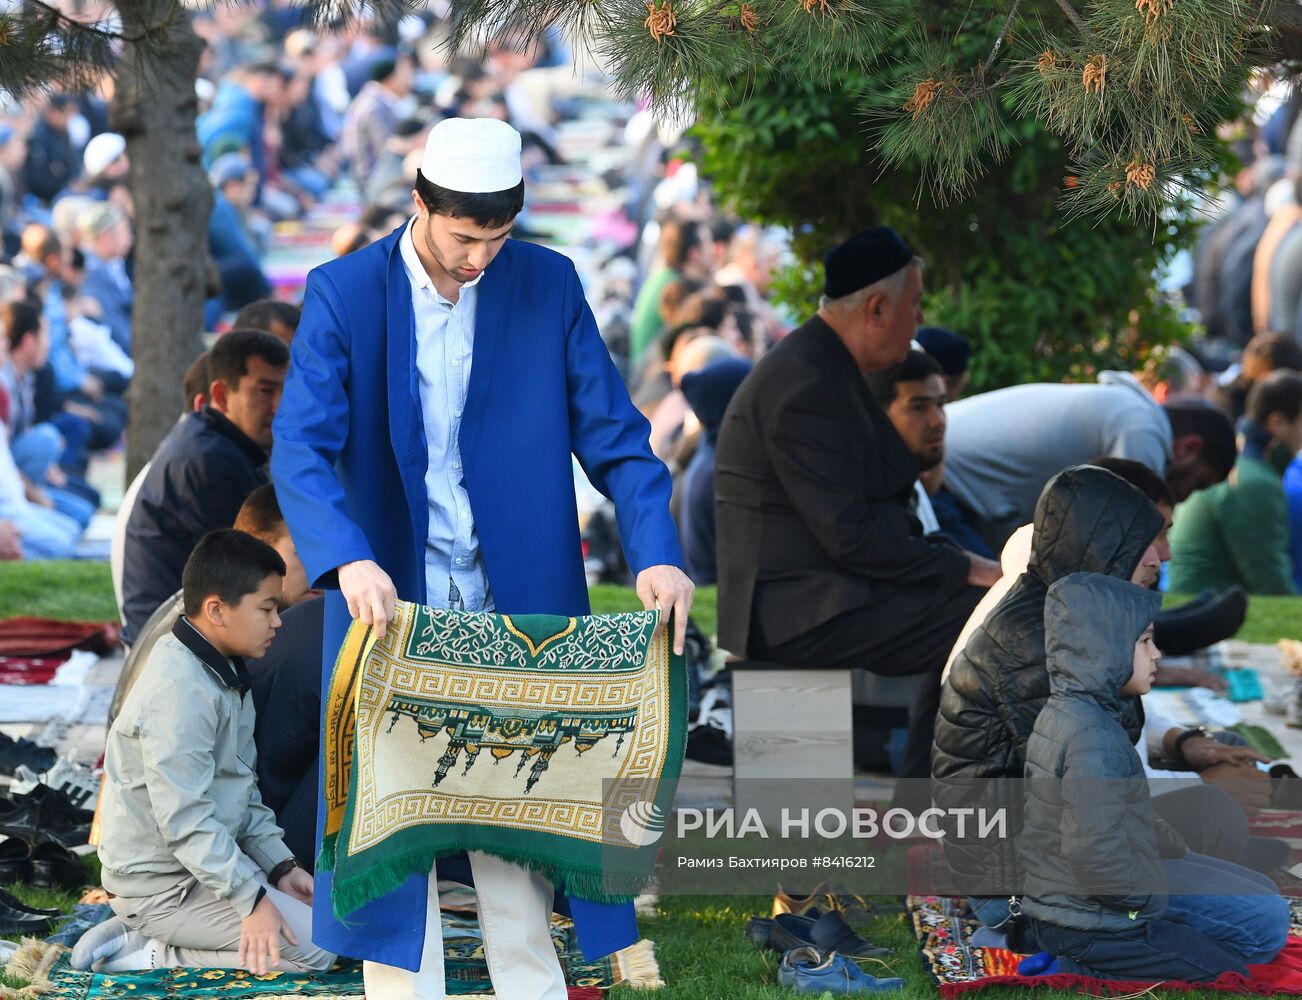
x=551, y=742
x=45, y=967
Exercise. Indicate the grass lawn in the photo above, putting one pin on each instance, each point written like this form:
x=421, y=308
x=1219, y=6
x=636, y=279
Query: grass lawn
x=700, y=941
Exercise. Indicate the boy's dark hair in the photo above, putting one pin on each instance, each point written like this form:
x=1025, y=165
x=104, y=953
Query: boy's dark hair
x=1200, y=418
x=261, y=314
x=1279, y=392
x=675, y=294
x=1138, y=475
x=260, y=516
x=678, y=238
x=488, y=209
x=916, y=366
x=228, y=361
x=197, y=382
x=228, y=563
x=1275, y=350
x=19, y=319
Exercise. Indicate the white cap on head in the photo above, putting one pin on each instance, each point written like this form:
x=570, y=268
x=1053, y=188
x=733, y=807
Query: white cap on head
x=101, y=151
x=472, y=155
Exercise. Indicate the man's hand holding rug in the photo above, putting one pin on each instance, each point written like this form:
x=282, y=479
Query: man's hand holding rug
x=670, y=588
x=369, y=592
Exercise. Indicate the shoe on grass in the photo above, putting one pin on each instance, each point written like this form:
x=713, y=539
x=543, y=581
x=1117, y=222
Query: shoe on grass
x=812, y=970
x=829, y=932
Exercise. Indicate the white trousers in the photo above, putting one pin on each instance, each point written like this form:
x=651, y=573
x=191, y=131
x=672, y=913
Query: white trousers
x=515, y=908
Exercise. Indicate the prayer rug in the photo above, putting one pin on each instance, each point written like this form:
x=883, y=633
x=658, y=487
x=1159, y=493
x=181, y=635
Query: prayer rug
x=1287, y=826
x=1261, y=739
x=467, y=970
x=1244, y=684
x=944, y=926
x=29, y=669
x=47, y=637
x=551, y=742
x=46, y=968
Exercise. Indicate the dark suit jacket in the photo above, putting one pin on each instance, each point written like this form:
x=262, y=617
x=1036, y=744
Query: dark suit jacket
x=199, y=478
x=812, y=488
x=287, y=701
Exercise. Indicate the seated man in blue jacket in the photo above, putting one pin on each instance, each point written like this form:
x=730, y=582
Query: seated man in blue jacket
x=202, y=471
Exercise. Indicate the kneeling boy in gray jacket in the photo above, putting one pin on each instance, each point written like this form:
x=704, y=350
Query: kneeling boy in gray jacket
x=196, y=866
x=1110, y=889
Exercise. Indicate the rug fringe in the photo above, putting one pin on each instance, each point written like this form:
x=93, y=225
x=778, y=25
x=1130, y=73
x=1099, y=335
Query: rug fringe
x=31, y=963
x=638, y=967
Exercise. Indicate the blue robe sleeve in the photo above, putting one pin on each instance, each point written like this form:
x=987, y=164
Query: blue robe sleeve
x=310, y=430
x=610, y=438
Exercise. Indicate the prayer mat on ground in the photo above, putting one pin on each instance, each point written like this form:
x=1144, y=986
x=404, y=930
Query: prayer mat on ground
x=1261, y=739
x=47, y=637
x=29, y=669
x=944, y=927
x=467, y=970
x=1245, y=685
x=46, y=968
x=551, y=742
x=1286, y=825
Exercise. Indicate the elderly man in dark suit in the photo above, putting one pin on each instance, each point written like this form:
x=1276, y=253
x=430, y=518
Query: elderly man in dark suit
x=822, y=562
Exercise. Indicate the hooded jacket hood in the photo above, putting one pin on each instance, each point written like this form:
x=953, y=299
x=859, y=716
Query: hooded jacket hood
x=1091, y=625
x=1091, y=844
x=1089, y=520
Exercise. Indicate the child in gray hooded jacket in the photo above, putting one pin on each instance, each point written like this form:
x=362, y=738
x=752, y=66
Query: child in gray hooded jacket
x=1110, y=889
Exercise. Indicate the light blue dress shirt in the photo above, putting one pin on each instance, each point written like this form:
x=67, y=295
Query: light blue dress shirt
x=445, y=335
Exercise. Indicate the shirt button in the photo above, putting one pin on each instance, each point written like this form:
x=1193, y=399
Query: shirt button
x=456, y=465
x=460, y=561
x=456, y=362
x=464, y=515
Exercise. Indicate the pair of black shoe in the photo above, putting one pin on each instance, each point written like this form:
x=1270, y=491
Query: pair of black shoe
x=45, y=815
x=827, y=931
x=16, y=753
x=17, y=918
x=46, y=866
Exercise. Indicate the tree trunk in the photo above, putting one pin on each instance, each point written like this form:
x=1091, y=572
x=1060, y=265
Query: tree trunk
x=155, y=109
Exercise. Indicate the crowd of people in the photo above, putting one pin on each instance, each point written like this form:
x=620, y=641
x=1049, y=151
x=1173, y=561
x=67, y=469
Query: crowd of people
x=855, y=505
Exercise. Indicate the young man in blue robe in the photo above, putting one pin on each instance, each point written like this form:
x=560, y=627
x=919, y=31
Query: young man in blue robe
x=441, y=379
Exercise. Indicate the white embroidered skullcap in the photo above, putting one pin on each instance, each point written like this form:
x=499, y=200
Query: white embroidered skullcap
x=472, y=155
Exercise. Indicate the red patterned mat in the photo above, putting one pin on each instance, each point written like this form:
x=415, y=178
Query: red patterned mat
x=1286, y=825
x=944, y=926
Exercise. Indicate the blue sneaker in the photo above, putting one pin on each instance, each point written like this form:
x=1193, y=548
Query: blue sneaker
x=809, y=970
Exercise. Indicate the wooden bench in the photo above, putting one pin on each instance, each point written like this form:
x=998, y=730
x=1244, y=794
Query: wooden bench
x=793, y=726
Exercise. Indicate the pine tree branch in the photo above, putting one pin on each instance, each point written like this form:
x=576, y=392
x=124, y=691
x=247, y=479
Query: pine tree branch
x=1003, y=34
x=1075, y=18
x=72, y=24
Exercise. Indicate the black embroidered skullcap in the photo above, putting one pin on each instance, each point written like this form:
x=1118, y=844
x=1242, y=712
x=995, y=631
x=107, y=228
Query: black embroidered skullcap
x=861, y=260
x=951, y=350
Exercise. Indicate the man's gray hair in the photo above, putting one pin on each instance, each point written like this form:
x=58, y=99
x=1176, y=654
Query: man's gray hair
x=892, y=286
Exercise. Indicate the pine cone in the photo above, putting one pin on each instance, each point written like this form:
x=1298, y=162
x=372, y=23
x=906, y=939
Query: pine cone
x=923, y=94
x=1096, y=74
x=660, y=22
